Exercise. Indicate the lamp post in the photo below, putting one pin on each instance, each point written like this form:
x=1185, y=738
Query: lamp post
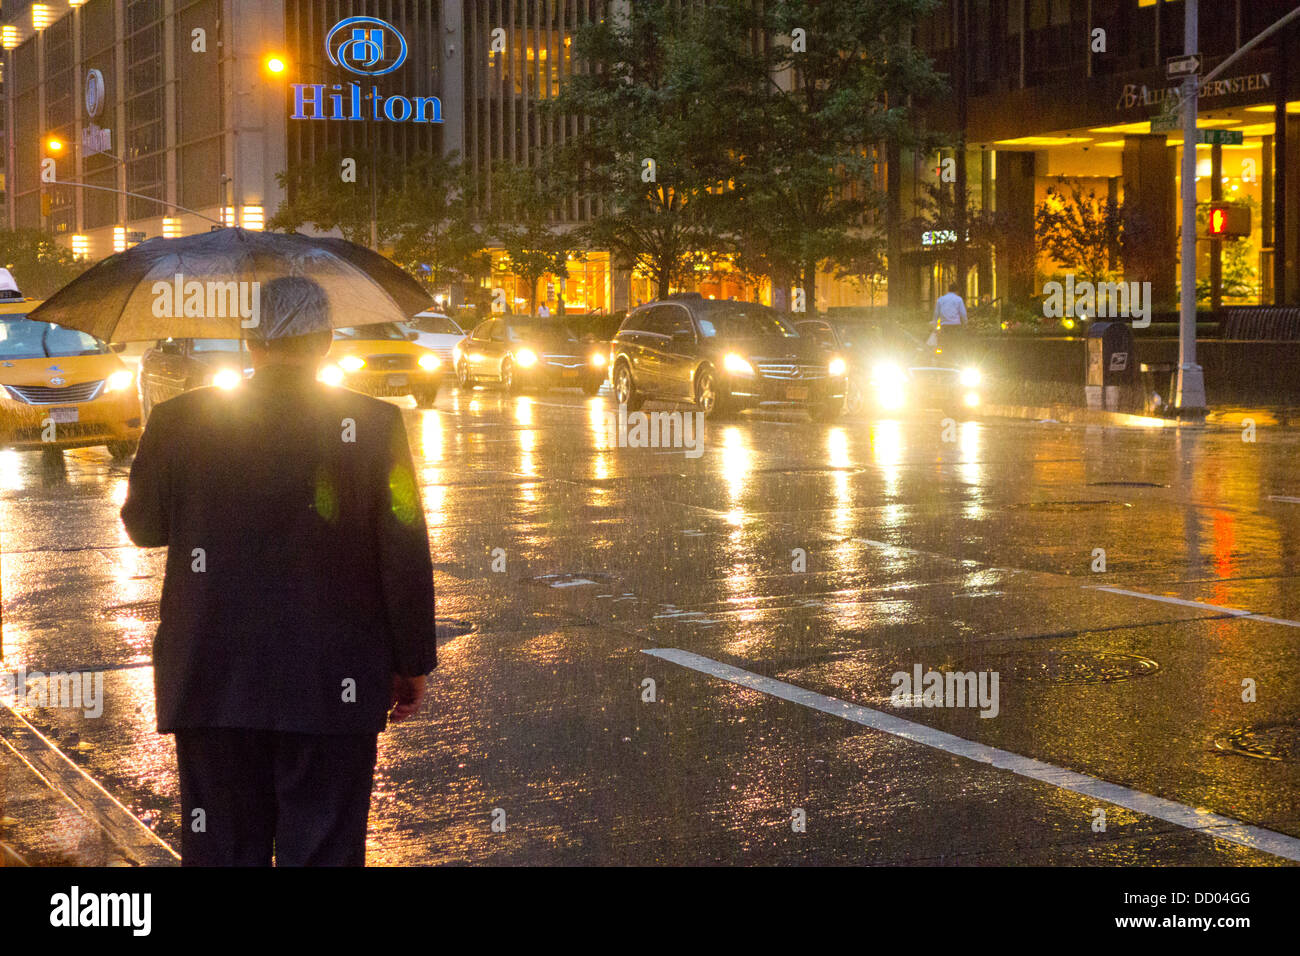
x=1189, y=396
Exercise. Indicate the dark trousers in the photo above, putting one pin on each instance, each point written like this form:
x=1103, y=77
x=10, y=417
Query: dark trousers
x=304, y=796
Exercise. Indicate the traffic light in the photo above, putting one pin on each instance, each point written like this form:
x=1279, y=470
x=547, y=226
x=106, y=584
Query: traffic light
x=1227, y=220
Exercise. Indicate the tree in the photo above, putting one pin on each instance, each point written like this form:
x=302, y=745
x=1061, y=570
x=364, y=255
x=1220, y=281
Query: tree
x=431, y=220
x=1081, y=233
x=330, y=193
x=831, y=90
x=524, y=202
x=658, y=107
x=37, y=262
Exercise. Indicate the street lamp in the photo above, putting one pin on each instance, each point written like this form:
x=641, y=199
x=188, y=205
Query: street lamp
x=274, y=64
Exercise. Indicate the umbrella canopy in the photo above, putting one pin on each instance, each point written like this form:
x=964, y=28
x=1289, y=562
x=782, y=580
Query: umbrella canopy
x=219, y=285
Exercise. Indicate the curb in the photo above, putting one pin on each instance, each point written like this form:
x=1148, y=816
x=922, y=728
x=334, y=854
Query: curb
x=1068, y=414
x=132, y=843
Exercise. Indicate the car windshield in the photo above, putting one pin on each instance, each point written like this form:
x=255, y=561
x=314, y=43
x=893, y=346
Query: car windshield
x=21, y=338
x=876, y=335
x=216, y=345
x=540, y=332
x=745, y=322
x=380, y=330
x=436, y=325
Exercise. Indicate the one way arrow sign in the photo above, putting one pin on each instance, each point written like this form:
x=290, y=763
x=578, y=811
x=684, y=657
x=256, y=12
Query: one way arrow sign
x=1188, y=65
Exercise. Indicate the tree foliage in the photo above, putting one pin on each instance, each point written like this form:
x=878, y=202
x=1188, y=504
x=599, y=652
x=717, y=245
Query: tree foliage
x=38, y=264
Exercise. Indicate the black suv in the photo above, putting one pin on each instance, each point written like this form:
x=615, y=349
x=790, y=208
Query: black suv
x=722, y=356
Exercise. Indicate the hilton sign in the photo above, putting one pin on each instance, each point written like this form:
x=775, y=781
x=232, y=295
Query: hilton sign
x=369, y=47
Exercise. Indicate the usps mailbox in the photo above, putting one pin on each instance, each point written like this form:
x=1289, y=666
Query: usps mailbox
x=1112, y=381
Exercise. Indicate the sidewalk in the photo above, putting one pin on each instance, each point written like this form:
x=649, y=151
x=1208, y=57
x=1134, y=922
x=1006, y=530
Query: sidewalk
x=1226, y=417
x=53, y=814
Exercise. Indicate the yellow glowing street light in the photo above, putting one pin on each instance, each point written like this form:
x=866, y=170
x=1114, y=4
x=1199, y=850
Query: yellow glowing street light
x=275, y=64
x=54, y=144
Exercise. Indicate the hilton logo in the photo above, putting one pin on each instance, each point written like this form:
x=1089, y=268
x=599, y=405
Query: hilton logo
x=370, y=47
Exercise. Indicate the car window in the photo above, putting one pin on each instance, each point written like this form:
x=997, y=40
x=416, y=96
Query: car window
x=22, y=338
x=379, y=330
x=214, y=345
x=482, y=329
x=819, y=332
x=745, y=320
x=677, y=320
x=638, y=321
x=436, y=325
x=497, y=333
x=540, y=331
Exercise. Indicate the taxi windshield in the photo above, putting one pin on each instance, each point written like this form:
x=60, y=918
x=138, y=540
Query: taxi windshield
x=21, y=338
x=379, y=330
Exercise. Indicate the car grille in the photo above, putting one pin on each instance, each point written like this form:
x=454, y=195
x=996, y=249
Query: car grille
x=444, y=354
x=790, y=372
x=564, y=361
x=390, y=363
x=68, y=395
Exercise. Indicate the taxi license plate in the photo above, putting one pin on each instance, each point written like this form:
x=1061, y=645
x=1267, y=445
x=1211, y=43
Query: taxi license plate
x=796, y=393
x=64, y=416
x=569, y=373
x=396, y=380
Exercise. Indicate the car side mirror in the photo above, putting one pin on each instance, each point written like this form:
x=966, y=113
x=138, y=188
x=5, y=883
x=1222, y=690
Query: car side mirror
x=117, y=347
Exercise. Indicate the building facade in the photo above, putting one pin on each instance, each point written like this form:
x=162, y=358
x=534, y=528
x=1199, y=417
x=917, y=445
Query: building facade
x=1063, y=92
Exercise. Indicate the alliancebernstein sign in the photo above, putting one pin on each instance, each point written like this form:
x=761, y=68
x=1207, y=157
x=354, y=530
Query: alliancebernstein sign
x=369, y=47
x=1133, y=95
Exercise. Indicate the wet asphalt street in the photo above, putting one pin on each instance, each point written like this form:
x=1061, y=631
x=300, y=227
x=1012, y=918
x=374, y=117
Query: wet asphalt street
x=771, y=685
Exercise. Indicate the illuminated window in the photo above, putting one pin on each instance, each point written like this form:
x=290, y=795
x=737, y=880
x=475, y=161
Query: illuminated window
x=9, y=36
x=81, y=247
x=42, y=16
x=119, y=239
x=228, y=216
x=171, y=228
x=252, y=218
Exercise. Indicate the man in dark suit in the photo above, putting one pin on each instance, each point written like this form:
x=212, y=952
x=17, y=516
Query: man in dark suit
x=297, y=604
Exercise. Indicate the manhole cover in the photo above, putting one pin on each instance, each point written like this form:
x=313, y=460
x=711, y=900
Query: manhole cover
x=1070, y=667
x=140, y=610
x=1266, y=742
x=1125, y=484
x=452, y=627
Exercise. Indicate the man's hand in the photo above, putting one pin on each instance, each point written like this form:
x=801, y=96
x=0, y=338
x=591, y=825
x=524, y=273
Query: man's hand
x=407, y=695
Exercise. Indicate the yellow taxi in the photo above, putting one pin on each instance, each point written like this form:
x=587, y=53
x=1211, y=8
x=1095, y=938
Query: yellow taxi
x=60, y=388
x=383, y=360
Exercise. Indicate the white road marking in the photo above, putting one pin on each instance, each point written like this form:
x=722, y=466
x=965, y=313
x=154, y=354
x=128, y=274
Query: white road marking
x=1232, y=611
x=1212, y=824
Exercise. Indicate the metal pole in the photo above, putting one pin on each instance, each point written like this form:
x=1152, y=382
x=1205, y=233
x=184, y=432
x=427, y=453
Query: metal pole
x=1189, y=398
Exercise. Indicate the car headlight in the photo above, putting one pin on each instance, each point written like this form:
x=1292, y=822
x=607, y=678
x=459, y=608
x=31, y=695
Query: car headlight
x=227, y=378
x=526, y=358
x=836, y=367
x=970, y=377
x=736, y=364
x=428, y=362
x=352, y=363
x=598, y=359
x=330, y=374
x=119, y=380
x=888, y=375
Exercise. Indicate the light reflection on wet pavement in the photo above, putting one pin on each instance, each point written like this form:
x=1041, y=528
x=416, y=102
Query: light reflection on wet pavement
x=972, y=554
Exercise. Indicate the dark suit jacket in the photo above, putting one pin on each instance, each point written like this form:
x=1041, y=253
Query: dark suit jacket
x=297, y=561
